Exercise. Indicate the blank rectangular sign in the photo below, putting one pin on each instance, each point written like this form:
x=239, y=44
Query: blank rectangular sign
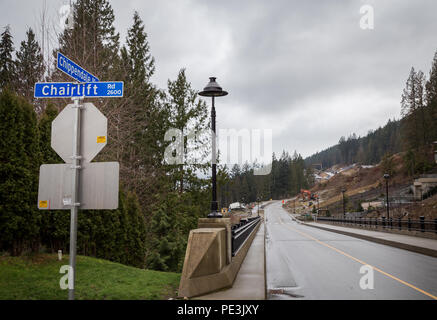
x=98, y=186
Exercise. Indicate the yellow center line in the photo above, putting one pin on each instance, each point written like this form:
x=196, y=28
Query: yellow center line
x=359, y=261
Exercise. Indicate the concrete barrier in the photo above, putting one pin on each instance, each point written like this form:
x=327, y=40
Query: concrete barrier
x=209, y=265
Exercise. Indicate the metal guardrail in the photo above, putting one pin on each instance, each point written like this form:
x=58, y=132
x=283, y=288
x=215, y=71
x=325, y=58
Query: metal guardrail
x=420, y=225
x=241, y=232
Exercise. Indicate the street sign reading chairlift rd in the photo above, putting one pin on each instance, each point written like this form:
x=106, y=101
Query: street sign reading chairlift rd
x=106, y=89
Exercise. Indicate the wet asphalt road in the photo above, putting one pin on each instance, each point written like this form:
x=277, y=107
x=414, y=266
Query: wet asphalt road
x=308, y=263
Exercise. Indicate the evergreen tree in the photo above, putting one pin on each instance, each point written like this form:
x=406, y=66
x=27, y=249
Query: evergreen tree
x=140, y=120
x=92, y=42
x=167, y=244
x=411, y=103
x=19, y=164
x=188, y=114
x=431, y=99
x=139, y=62
x=135, y=232
x=7, y=64
x=55, y=224
x=29, y=66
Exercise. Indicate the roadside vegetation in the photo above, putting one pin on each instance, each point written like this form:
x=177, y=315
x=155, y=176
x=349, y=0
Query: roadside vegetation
x=36, y=277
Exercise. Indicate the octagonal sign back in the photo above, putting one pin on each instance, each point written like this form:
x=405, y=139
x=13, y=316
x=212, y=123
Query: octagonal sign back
x=93, y=135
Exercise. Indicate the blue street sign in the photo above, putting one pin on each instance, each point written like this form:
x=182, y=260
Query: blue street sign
x=73, y=70
x=108, y=89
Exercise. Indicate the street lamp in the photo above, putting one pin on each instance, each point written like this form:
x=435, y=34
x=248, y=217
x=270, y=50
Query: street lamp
x=344, y=204
x=213, y=90
x=386, y=177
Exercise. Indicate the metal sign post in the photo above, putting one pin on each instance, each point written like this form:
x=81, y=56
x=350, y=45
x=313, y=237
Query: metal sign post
x=77, y=137
x=74, y=196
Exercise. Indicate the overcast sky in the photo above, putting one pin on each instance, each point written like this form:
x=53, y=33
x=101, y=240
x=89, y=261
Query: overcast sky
x=302, y=68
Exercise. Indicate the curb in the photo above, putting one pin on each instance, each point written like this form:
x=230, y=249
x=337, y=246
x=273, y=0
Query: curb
x=265, y=262
x=400, y=245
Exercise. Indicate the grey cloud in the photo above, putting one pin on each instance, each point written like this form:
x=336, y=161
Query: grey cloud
x=277, y=57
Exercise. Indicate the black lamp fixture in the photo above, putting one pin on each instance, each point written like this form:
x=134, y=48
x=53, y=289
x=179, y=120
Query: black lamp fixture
x=213, y=90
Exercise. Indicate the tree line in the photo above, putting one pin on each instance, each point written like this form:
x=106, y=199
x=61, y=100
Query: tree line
x=413, y=134
x=369, y=149
x=287, y=177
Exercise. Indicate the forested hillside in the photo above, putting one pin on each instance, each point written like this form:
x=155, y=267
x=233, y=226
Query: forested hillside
x=413, y=134
x=366, y=150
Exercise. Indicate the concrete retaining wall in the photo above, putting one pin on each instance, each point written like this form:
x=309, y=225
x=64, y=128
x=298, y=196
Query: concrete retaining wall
x=209, y=265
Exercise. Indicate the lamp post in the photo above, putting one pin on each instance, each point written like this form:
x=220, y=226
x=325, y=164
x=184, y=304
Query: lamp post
x=344, y=204
x=213, y=90
x=386, y=177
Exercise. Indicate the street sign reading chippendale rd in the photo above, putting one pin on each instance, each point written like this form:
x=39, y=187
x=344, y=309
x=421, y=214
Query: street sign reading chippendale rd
x=73, y=70
x=79, y=133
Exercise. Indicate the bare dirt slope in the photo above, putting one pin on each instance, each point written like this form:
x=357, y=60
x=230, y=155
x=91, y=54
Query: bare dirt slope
x=364, y=184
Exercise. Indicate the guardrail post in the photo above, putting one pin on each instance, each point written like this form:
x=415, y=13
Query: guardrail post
x=435, y=225
x=391, y=223
x=409, y=224
x=383, y=222
x=422, y=223
x=399, y=224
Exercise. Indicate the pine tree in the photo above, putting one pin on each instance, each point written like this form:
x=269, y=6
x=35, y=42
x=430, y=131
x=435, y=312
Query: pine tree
x=7, y=64
x=140, y=120
x=29, y=66
x=92, y=42
x=166, y=247
x=139, y=61
x=431, y=99
x=135, y=232
x=410, y=105
x=19, y=164
x=188, y=114
x=55, y=224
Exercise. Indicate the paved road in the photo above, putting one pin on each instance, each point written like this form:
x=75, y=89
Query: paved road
x=309, y=263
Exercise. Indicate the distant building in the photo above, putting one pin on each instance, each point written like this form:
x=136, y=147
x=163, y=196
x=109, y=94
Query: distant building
x=423, y=184
x=236, y=205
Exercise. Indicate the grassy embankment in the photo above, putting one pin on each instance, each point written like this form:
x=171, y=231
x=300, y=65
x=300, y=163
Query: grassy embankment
x=37, y=277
